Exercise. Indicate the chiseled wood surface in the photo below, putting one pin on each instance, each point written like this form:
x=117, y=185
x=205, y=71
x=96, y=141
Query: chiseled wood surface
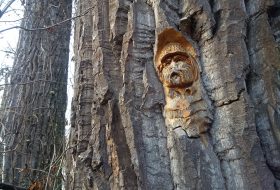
x=119, y=133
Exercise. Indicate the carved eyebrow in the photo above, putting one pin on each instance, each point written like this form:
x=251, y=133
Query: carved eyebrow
x=180, y=57
x=166, y=60
x=173, y=55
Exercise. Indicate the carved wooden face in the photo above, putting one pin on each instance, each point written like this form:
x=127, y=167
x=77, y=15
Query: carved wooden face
x=177, y=71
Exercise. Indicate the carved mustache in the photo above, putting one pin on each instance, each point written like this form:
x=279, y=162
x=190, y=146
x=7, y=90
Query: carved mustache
x=179, y=72
x=181, y=75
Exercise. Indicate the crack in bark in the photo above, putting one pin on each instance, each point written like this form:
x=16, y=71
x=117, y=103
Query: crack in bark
x=228, y=102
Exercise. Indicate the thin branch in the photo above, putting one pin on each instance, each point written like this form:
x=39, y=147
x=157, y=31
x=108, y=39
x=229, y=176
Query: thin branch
x=49, y=172
x=6, y=7
x=14, y=10
x=11, y=20
x=7, y=51
x=48, y=27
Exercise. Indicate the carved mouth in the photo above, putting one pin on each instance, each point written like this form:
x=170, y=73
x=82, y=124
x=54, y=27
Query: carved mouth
x=175, y=78
x=174, y=75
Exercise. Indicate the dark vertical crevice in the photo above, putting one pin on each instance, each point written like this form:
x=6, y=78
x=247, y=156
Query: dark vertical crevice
x=211, y=3
x=274, y=21
x=122, y=149
x=217, y=17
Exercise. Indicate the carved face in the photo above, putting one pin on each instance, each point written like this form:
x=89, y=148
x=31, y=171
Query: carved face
x=177, y=70
x=186, y=103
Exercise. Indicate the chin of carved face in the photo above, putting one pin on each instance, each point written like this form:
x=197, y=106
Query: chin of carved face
x=178, y=74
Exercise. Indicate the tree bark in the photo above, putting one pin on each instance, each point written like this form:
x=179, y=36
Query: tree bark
x=33, y=112
x=120, y=131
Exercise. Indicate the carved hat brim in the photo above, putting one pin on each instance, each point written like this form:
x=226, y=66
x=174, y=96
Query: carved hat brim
x=171, y=42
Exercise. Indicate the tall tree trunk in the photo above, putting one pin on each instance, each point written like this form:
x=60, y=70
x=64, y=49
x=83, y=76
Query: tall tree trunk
x=34, y=108
x=217, y=128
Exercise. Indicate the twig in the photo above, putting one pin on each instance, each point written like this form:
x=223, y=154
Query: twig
x=11, y=20
x=48, y=27
x=7, y=51
x=49, y=173
x=6, y=7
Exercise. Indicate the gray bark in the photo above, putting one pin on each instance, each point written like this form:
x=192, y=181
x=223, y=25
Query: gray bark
x=35, y=102
x=119, y=133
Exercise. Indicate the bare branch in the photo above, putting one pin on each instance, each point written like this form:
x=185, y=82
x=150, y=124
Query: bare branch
x=6, y=7
x=8, y=52
x=11, y=20
x=48, y=27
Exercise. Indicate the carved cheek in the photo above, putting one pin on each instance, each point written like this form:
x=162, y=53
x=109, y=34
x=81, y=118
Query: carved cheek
x=188, y=75
x=166, y=75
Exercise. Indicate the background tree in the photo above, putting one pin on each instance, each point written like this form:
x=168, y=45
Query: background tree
x=118, y=130
x=34, y=105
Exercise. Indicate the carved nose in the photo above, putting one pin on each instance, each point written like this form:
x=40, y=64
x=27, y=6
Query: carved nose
x=173, y=64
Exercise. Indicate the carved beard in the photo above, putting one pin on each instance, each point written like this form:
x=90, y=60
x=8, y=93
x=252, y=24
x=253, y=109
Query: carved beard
x=178, y=74
x=189, y=112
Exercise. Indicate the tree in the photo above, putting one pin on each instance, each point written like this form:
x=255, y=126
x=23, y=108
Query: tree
x=122, y=129
x=33, y=109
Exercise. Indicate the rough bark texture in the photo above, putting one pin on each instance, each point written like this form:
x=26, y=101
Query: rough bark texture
x=35, y=102
x=119, y=133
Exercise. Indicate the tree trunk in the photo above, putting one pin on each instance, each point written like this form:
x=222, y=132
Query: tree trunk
x=137, y=125
x=34, y=107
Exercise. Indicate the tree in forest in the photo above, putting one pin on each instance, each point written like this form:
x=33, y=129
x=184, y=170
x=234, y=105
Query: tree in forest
x=34, y=102
x=222, y=62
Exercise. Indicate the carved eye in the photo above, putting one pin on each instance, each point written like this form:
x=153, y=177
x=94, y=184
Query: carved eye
x=165, y=62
